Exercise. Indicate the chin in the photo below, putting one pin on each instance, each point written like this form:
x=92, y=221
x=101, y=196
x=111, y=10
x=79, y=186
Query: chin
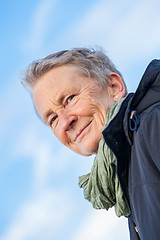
x=88, y=150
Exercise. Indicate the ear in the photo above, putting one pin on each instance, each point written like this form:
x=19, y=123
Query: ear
x=117, y=87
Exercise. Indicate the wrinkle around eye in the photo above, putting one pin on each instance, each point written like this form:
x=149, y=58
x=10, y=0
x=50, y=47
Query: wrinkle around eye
x=51, y=120
x=69, y=99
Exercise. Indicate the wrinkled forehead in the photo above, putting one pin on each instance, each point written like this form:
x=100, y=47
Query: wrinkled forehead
x=63, y=69
x=61, y=75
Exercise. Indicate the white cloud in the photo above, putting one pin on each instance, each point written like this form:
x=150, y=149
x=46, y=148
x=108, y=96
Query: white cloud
x=44, y=151
x=137, y=35
x=128, y=31
x=100, y=225
x=90, y=27
x=39, y=25
x=10, y=104
x=96, y=19
x=41, y=217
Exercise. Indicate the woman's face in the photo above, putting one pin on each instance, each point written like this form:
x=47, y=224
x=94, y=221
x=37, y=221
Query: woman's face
x=74, y=106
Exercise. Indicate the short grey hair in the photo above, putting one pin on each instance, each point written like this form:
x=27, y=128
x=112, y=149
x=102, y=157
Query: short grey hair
x=91, y=63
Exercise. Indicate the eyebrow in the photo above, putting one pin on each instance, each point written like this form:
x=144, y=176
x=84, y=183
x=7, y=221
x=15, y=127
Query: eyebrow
x=60, y=97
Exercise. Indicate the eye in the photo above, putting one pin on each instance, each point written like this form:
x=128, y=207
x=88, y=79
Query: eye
x=52, y=120
x=69, y=99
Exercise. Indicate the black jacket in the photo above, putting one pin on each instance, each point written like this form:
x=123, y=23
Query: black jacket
x=134, y=138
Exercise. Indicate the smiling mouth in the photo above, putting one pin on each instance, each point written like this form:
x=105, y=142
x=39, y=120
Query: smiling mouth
x=81, y=132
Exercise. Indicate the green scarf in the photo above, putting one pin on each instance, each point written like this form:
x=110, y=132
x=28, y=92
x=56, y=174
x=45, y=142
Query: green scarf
x=101, y=186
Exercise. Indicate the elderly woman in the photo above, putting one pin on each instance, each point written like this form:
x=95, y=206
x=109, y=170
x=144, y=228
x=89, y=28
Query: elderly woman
x=82, y=97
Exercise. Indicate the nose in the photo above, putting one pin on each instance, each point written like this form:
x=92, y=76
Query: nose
x=67, y=120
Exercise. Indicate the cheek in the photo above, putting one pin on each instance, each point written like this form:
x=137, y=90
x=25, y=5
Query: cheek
x=85, y=106
x=61, y=136
x=100, y=115
x=93, y=109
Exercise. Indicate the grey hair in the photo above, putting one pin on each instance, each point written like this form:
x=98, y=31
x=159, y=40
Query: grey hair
x=90, y=63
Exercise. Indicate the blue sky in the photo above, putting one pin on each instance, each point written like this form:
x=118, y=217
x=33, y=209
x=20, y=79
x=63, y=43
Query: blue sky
x=40, y=198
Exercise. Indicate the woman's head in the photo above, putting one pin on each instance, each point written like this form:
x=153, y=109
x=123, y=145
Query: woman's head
x=89, y=62
x=74, y=95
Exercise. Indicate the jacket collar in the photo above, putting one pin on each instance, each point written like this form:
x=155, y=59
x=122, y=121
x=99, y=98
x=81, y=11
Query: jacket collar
x=148, y=91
